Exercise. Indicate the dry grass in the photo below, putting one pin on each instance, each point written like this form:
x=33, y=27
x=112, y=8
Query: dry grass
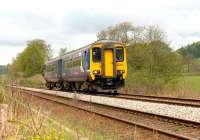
x=183, y=92
x=187, y=87
x=33, y=122
x=34, y=81
x=30, y=123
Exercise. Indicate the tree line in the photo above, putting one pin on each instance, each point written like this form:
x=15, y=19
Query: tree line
x=191, y=57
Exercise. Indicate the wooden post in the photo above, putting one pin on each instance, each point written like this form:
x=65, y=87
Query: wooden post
x=3, y=119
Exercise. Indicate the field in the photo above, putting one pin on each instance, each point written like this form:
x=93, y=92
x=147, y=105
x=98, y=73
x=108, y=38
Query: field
x=192, y=82
x=185, y=86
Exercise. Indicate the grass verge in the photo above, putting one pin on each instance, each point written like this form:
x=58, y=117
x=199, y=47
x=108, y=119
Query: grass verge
x=28, y=123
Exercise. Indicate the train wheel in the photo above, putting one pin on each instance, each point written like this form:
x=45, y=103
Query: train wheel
x=49, y=86
x=62, y=87
x=115, y=92
x=70, y=86
x=91, y=89
x=79, y=85
x=52, y=85
x=59, y=85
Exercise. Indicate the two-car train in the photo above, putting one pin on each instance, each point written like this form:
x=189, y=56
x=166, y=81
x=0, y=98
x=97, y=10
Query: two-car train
x=99, y=66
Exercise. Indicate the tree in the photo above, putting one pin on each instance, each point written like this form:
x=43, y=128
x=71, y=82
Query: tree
x=14, y=68
x=154, y=33
x=118, y=32
x=32, y=59
x=126, y=33
x=102, y=35
x=152, y=65
x=3, y=69
x=49, y=52
x=137, y=34
x=188, y=60
x=190, y=49
x=62, y=51
x=123, y=30
x=191, y=55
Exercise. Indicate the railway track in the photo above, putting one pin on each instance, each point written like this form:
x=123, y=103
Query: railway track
x=159, y=99
x=149, y=98
x=178, y=128
x=154, y=99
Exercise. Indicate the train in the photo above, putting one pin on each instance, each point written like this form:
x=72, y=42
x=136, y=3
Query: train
x=100, y=66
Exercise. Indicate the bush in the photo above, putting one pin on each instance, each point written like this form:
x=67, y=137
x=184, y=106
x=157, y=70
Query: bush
x=33, y=81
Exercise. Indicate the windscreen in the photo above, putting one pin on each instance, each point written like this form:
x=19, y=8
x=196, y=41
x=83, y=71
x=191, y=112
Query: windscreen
x=119, y=54
x=96, y=54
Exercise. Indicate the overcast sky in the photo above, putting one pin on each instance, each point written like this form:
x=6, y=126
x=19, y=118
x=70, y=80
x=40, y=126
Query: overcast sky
x=75, y=23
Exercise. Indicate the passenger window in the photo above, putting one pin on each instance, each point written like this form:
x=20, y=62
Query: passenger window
x=96, y=54
x=48, y=68
x=54, y=68
x=51, y=68
x=119, y=54
x=66, y=66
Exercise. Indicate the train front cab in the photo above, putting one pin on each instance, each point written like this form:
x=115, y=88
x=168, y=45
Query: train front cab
x=108, y=66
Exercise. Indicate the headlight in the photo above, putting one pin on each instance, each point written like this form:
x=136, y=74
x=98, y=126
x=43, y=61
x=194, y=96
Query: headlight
x=121, y=71
x=96, y=72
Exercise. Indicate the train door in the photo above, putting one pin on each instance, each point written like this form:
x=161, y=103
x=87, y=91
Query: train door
x=59, y=68
x=108, y=61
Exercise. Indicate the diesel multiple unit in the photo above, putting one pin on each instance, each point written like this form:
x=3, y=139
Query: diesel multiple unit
x=99, y=66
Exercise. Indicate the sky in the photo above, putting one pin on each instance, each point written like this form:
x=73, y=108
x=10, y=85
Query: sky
x=75, y=23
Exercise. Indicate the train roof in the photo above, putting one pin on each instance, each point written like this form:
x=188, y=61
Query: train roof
x=104, y=41
x=94, y=43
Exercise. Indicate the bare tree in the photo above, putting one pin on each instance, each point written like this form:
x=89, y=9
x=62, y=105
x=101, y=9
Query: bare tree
x=123, y=30
x=126, y=32
x=62, y=51
x=154, y=33
x=137, y=34
x=118, y=32
x=102, y=35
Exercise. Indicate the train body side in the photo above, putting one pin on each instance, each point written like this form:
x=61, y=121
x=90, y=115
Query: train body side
x=75, y=67
x=52, y=71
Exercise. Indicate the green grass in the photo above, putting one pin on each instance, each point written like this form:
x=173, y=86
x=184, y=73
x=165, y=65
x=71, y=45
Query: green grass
x=84, y=130
x=34, y=81
x=28, y=123
x=25, y=124
x=191, y=82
